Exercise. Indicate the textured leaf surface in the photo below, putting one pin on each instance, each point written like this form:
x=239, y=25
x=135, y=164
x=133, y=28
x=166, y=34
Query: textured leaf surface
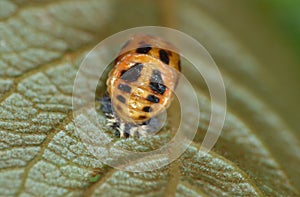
x=41, y=46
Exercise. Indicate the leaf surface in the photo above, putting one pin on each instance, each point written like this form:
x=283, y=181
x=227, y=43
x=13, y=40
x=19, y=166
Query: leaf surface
x=41, y=46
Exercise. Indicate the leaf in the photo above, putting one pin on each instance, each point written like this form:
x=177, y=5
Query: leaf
x=42, y=44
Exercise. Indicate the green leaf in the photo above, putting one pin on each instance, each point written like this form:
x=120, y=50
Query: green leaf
x=41, y=46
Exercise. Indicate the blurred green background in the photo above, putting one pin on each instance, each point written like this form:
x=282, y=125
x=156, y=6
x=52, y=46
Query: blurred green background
x=272, y=29
x=286, y=15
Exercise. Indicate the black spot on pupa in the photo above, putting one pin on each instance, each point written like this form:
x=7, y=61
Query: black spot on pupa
x=121, y=98
x=143, y=50
x=142, y=117
x=147, y=109
x=157, y=83
x=163, y=56
x=133, y=73
x=122, y=72
x=152, y=98
x=124, y=88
